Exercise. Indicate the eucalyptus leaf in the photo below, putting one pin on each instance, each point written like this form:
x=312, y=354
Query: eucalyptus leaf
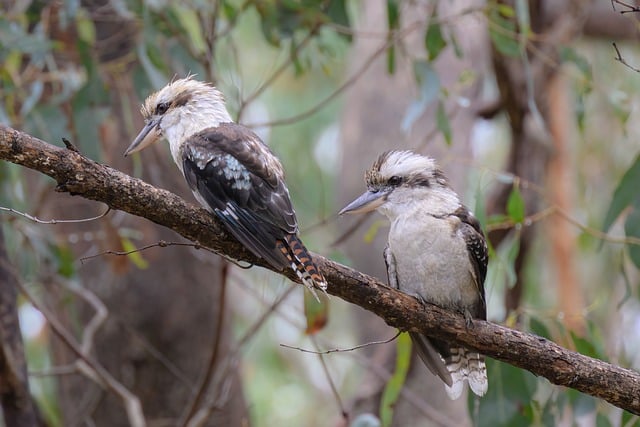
x=624, y=195
x=632, y=229
x=502, y=31
x=442, y=121
x=429, y=84
x=434, y=40
x=515, y=206
x=391, y=391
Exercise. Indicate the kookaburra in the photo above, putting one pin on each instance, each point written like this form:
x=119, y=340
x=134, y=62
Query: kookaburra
x=436, y=252
x=231, y=172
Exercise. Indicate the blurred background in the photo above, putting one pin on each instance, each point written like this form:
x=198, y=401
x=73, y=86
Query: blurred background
x=530, y=107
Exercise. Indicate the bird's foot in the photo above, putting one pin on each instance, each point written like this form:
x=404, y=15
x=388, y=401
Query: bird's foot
x=468, y=319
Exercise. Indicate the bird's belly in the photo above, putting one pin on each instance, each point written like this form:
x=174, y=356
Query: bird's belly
x=434, y=267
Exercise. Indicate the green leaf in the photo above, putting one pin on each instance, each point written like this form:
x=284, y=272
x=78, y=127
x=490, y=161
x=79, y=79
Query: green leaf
x=393, y=15
x=627, y=284
x=396, y=382
x=372, y=231
x=512, y=254
x=229, y=10
x=602, y=421
x=64, y=258
x=391, y=59
x=506, y=403
x=316, y=311
x=502, y=30
x=393, y=23
x=539, y=328
x=86, y=28
x=632, y=229
x=457, y=49
x=442, y=121
x=625, y=194
x=135, y=257
x=584, y=346
x=433, y=40
x=337, y=12
x=480, y=209
x=505, y=10
x=428, y=81
x=568, y=54
x=515, y=206
x=628, y=419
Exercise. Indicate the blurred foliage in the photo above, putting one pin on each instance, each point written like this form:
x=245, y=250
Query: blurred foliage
x=627, y=197
x=62, y=66
x=391, y=392
x=503, y=30
x=54, y=83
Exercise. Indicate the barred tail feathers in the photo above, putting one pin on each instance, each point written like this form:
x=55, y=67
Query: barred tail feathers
x=463, y=365
x=477, y=374
x=302, y=263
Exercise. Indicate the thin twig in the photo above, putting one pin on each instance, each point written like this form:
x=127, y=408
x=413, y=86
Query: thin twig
x=165, y=244
x=225, y=368
x=378, y=370
x=620, y=59
x=91, y=368
x=157, y=354
x=352, y=229
x=327, y=374
x=342, y=350
x=277, y=72
x=55, y=371
x=208, y=375
x=350, y=81
x=101, y=314
x=54, y=221
x=630, y=8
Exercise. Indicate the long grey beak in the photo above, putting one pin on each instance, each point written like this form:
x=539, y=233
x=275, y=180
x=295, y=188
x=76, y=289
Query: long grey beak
x=365, y=203
x=149, y=134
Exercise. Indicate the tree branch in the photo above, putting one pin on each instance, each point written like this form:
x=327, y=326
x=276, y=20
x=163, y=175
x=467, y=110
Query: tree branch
x=81, y=176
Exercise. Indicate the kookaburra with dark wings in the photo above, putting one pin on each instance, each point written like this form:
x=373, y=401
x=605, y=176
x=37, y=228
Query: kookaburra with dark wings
x=436, y=252
x=231, y=172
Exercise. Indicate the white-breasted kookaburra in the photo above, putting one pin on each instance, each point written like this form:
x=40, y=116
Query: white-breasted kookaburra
x=436, y=252
x=231, y=172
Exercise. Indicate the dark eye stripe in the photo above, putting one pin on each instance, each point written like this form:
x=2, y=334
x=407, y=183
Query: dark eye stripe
x=420, y=181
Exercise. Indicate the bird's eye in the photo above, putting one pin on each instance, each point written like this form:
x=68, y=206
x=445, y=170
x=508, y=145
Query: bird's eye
x=394, y=180
x=162, y=108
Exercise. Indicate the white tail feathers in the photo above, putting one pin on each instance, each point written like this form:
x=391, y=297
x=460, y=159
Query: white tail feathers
x=463, y=365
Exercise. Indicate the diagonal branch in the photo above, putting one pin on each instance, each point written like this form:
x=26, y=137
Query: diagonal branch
x=81, y=176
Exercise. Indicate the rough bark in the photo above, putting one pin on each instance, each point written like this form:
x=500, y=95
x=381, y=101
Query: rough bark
x=81, y=176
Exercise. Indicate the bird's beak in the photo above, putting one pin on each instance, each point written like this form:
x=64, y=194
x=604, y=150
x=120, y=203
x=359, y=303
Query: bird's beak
x=149, y=134
x=365, y=203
